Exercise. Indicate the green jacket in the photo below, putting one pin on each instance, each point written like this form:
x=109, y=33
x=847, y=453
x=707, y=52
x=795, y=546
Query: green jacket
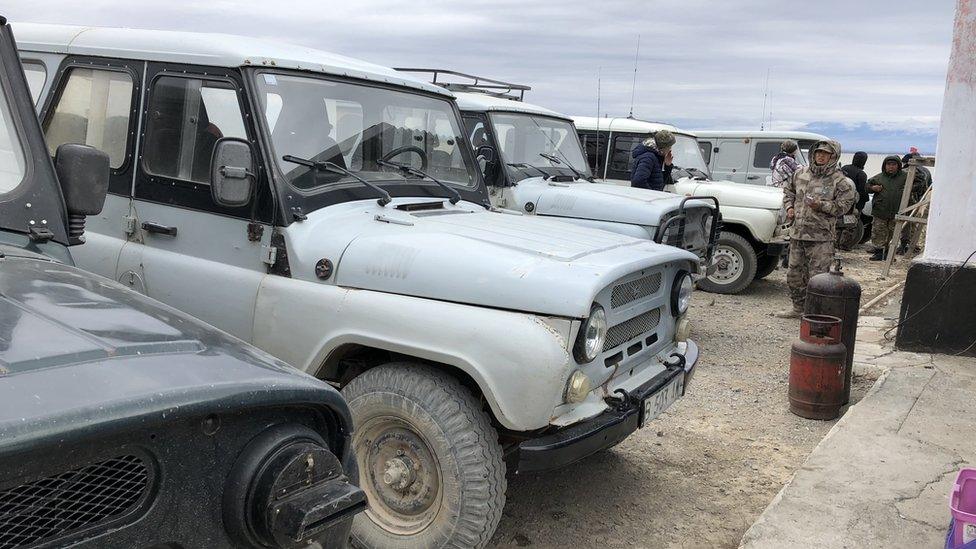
x=885, y=203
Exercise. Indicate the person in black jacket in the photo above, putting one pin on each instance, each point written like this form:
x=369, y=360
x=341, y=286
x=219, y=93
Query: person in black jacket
x=855, y=172
x=652, y=161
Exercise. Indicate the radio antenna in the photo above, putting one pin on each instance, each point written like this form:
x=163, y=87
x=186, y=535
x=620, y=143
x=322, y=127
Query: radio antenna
x=762, y=121
x=599, y=74
x=633, y=88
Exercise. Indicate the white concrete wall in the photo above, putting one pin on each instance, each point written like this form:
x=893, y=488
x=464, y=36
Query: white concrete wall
x=951, y=234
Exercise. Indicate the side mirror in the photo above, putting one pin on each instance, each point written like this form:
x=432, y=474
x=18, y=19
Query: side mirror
x=232, y=172
x=485, y=155
x=83, y=172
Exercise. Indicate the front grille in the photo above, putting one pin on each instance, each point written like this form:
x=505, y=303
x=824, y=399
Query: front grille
x=630, y=329
x=635, y=289
x=57, y=506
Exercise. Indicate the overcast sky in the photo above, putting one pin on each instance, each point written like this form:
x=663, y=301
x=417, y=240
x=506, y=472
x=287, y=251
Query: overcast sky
x=872, y=71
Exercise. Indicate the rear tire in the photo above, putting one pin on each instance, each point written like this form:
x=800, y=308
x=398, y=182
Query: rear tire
x=429, y=460
x=736, y=265
x=766, y=266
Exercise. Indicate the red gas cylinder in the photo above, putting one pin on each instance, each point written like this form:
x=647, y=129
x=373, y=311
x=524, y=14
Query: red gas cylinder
x=817, y=364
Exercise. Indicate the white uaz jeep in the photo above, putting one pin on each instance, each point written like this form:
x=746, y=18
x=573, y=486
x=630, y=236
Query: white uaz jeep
x=533, y=163
x=751, y=241
x=331, y=212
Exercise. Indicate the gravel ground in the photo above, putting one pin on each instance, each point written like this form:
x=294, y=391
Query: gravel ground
x=699, y=475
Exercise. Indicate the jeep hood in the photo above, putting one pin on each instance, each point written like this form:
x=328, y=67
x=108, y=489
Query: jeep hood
x=466, y=254
x=598, y=201
x=730, y=193
x=78, y=351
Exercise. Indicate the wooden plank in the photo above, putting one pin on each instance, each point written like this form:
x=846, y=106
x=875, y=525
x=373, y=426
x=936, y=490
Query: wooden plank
x=910, y=219
x=906, y=195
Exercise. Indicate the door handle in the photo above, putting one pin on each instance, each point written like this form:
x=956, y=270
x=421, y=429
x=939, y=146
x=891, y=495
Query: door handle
x=752, y=177
x=151, y=227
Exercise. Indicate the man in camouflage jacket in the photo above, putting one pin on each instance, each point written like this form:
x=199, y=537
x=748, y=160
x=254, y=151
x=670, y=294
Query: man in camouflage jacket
x=814, y=198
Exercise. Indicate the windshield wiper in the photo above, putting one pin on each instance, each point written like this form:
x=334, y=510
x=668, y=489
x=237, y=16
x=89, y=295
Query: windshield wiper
x=455, y=196
x=522, y=166
x=335, y=168
x=556, y=159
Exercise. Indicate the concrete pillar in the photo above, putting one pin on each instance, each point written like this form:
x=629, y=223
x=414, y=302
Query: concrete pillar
x=947, y=324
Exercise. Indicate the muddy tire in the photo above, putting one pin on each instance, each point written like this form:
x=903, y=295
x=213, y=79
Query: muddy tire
x=429, y=460
x=766, y=266
x=736, y=264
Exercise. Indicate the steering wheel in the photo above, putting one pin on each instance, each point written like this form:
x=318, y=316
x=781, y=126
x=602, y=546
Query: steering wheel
x=409, y=148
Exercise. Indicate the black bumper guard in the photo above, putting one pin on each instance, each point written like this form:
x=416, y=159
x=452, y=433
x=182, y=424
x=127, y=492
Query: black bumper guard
x=681, y=219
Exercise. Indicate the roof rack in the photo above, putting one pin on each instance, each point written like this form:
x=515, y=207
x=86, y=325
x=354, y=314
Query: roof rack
x=479, y=84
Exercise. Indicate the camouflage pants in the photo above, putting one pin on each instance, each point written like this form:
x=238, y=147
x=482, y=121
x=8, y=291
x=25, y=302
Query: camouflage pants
x=807, y=258
x=881, y=232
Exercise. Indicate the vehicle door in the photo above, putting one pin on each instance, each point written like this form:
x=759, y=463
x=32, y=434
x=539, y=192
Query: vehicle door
x=95, y=101
x=731, y=159
x=190, y=252
x=761, y=154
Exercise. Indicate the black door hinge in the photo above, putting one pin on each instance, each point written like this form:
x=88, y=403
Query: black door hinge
x=40, y=234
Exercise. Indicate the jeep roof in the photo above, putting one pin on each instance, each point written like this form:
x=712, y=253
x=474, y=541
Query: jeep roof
x=224, y=50
x=624, y=124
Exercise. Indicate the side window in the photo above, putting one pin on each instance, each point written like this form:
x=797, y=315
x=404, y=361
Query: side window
x=595, y=147
x=186, y=117
x=706, y=150
x=620, y=158
x=36, y=77
x=765, y=151
x=732, y=155
x=93, y=109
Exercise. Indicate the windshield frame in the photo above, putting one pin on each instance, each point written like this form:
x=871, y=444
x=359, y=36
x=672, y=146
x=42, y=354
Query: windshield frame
x=294, y=201
x=704, y=165
x=533, y=171
x=36, y=202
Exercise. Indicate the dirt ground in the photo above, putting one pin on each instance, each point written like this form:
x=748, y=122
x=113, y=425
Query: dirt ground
x=701, y=474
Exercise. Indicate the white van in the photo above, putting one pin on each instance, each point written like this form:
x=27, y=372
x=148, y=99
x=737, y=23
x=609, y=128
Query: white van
x=744, y=156
x=751, y=240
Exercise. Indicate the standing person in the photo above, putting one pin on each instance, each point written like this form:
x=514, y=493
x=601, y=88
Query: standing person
x=814, y=197
x=784, y=164
x=855, y=172
x=652, y=161
x=887, y=187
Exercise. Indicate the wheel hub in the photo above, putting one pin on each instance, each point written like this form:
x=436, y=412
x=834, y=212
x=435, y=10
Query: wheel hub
x=400, y=475
x=728, y=265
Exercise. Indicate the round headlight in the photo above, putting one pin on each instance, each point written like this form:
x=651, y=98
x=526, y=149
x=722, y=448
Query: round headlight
x=681, y=293
x=589, y=343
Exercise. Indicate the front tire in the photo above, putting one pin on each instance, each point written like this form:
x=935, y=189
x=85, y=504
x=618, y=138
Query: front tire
x=735, y=262
x=429, y=460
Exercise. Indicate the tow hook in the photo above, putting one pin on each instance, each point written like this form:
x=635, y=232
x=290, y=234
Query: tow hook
x=621, y=400
x=680, y=364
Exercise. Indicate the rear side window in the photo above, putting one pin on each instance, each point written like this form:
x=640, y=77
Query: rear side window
x=93, y=109
x=595, y=147
x=706, y=150
x=12, y=162
x=186, y=117
x=620, y=160
x=765, y=151
x=36, y=77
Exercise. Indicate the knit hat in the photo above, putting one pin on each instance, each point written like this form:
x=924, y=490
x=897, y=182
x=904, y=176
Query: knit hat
x=663, y=139
x=789, y=146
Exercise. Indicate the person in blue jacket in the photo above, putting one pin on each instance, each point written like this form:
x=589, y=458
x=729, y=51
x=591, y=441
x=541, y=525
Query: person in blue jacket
x=652, y=161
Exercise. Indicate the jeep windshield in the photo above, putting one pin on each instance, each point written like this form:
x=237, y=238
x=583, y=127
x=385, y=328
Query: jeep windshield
x=532, y=145
x=364, y=129
x=688, y=156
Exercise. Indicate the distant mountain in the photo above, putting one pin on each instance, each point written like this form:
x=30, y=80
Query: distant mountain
x=875, y=139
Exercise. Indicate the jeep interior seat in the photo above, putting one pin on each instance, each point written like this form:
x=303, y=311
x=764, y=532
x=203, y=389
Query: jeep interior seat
x=303, y=129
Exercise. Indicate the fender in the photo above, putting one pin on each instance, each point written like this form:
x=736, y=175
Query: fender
x=492, y=346
x=760, y=223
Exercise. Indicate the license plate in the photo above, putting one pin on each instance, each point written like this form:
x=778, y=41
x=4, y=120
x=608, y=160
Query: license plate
x=850, y=220
x=659, y=401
